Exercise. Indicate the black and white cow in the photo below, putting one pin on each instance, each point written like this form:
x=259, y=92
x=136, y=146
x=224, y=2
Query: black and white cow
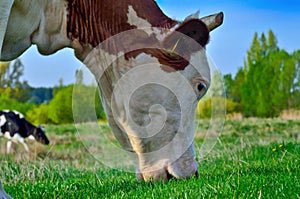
x=15, y=128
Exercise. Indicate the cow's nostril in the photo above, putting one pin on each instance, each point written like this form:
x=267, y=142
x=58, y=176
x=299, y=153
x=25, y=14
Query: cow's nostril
x=169, y=176
x=196, y=174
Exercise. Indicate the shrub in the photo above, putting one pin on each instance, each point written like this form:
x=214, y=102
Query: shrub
x=60, y=107
x=220, y=104
x=39, y=115
x=8, y=103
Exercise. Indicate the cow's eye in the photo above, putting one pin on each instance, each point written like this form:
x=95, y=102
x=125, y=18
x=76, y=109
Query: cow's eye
x=202, y=88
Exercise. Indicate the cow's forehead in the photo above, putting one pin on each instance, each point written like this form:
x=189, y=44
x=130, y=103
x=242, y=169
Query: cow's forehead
x=143, y=24
x=173, y=54
x=109, y=18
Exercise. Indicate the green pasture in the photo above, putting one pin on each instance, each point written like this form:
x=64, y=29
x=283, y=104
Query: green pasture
x=252, y=158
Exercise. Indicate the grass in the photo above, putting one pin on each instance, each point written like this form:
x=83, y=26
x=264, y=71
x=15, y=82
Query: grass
x=253, y=158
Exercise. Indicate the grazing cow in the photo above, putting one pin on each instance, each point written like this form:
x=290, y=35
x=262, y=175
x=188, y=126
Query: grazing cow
x=15, y=128
x=112, y=38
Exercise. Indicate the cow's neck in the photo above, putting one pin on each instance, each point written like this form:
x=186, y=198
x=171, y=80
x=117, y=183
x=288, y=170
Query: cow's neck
x=29, y=129
x=93, y=21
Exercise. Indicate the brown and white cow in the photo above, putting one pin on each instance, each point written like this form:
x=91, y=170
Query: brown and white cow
x=127, y=44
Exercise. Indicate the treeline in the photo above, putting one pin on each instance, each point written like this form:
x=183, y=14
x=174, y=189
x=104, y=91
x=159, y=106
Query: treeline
x=42, y=105
x=269, y=81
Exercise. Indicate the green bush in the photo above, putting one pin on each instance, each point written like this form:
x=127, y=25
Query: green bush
x=216, y=105
x=39, y=115
x=7, y=103
x=60, y=107
x=87, y=105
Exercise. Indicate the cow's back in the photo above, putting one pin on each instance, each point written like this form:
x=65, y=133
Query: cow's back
x=12, y=122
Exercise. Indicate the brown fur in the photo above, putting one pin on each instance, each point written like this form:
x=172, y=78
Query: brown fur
x=93, y=21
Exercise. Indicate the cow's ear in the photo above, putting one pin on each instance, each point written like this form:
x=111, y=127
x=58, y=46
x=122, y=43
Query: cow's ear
x=41, y=127
x=196, y=29
x=197, y=36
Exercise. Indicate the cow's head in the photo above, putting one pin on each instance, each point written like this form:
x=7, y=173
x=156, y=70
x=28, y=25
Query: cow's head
x=151, y=80
x=40, y=136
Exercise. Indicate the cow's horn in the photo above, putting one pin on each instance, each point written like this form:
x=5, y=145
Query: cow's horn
x=213, y=21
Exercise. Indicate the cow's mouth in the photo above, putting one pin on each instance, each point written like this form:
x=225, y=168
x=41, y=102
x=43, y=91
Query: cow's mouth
x=164, y=177
x=170, y=177
x=180, y=169
x=43, y=141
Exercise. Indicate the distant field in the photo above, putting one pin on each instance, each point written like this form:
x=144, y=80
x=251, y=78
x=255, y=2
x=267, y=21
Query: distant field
x=253, y=158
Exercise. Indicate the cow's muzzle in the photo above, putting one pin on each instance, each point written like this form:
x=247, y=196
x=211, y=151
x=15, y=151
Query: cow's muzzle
x=177, y=170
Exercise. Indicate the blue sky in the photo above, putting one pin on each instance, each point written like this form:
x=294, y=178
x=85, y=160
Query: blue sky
x=228, y=43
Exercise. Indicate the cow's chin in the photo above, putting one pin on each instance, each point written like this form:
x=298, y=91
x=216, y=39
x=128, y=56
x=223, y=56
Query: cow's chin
x=163, y=170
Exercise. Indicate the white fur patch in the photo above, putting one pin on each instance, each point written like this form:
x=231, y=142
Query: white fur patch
x=18, y=137
x=143, y=24
x=35, y=22
x=20, y=115
x=2, y=120
x=4, y=15
x=31, y=137
x=200, y=62
x=134, y=20
x=7, y=135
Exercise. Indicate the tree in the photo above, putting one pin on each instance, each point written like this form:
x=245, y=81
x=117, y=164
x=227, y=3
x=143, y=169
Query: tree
x=41, y=95
x=234, y=86
x=6, y=102
x=39, y=115
x=59, y=86
x=228, y=83
x=79, y=77
x=269, y=81
x=10, y=73
x=10, y=80
x=3, y=73
x=295, y=88
x=60, y=107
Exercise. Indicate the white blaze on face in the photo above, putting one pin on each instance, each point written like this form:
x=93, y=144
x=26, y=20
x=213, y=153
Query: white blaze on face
x=200, y=62
x=151, y=107
x=134, y=20
x=166, y=98
x=180, y=84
